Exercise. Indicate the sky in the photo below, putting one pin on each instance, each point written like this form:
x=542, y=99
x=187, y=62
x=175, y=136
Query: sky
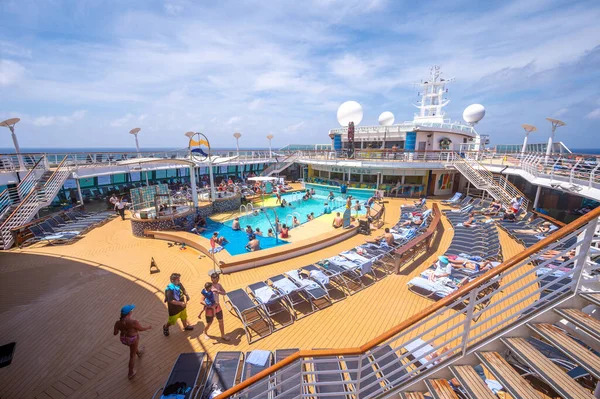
x=82, y=73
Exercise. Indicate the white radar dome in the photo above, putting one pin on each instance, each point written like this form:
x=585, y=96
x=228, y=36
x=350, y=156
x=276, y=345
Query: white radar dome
x=474, y=113
x=386, y=118
x=350, y=111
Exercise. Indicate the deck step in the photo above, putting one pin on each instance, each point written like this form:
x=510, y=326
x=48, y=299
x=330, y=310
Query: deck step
x=553, y=375
x=585, y=322
x=440, y=389
x=472, y=382
x=412, y=395
x=559, y=339
x=592, y=297
x=507, y=376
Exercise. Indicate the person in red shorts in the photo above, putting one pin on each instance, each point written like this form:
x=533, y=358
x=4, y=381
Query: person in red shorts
x=215, y=310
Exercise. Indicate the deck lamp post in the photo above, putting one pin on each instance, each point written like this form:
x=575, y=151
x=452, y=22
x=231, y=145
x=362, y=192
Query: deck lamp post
x=555, y=123
x=237, y=142
x=528, y=129
x=135, y=132
x=270, y=137
x=10, y=124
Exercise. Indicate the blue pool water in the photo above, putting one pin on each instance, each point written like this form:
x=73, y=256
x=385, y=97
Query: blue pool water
x=265, y=219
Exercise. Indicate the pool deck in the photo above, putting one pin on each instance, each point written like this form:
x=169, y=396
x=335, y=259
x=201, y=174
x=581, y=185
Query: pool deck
x=59, y=303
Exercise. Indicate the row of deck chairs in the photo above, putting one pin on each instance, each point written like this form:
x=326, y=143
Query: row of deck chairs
x=481, y=239
x=66, y=227
x=266, y=306
x=193, y=377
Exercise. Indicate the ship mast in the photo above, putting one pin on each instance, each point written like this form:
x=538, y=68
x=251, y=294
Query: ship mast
x=432, y=97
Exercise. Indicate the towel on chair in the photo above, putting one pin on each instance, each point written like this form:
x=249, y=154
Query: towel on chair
x=285, y=285
x=319, y=276
x=264, y=294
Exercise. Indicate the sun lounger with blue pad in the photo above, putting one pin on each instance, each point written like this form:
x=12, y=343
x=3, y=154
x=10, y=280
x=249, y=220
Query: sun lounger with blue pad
x=257, y=361
x=223, y=373
x=251, y=315
x=294, y=294
x=183, y=380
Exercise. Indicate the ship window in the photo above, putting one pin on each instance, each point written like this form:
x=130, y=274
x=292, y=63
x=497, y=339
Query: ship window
x=369, y=178
x=336, y=176
x=413, y=180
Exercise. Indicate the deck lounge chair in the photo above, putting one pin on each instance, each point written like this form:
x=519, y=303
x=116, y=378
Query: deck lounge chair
x=328, y=371
x=294, y=294
x=183, y=380
x=255, y=362
x=271, y=301
x=328, y=279
x=248, y=312
x=312, y=288
x=223, y=373
x=40, y=235
x=288, y=381
x=346, y=276
x=453, y=199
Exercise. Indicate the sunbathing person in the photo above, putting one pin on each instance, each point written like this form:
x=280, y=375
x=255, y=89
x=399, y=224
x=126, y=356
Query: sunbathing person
x=546, y=227
x=493, y=209
x=468, y=264
x=470, y=221
x=415, y=220
x=551, y=253
x=295, y=222
x=420, y=202
x=387, y=236
x=442, y=270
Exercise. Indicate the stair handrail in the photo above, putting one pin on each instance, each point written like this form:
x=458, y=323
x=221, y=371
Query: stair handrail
x=14, y=212
x=30, y=178
x=430, y=310
x=58, y=168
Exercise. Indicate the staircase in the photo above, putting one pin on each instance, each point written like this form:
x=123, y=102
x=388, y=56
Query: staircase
x=527, y=325
x=36, y=190
x=278, y=167
x=497, y=186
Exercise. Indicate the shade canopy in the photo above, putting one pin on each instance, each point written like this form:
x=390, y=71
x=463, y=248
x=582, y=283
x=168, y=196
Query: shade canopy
x=262, y=178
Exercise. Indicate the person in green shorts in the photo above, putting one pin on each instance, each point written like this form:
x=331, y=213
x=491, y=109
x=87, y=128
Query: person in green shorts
x=176, y=298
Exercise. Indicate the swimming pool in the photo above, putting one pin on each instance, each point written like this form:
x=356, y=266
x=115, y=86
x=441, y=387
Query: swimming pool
x=265, y=219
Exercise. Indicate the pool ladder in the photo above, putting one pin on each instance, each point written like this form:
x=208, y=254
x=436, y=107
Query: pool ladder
x=291, y=216
x=246, y=210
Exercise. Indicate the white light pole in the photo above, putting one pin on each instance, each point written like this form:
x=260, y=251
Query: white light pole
x=270, y=137
x=555, y=123
x=528, y=129
x=189, y=135
x=135, y=132
x=10, y=124
x=237, y=142
x=137, y=143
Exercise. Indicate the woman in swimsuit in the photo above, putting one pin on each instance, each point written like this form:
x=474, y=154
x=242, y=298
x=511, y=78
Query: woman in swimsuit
x=130, y=335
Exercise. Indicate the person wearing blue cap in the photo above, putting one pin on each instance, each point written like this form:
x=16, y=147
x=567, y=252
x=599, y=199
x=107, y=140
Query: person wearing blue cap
x=130, y=335
x=443, y=268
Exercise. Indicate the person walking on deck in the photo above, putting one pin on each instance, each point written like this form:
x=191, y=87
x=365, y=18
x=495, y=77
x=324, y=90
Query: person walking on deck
x=120, y=207
x=130, y=335
x=176, y=297
x=215, y=311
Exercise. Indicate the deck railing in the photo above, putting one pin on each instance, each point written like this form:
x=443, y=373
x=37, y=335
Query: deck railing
x=456, y=325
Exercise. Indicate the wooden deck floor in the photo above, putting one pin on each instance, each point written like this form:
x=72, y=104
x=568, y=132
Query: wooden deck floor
x=59, y=304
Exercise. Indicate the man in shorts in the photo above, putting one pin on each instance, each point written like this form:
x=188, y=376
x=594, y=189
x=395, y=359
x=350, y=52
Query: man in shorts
x=216, y=311
x=130, y=335
x=176, y=297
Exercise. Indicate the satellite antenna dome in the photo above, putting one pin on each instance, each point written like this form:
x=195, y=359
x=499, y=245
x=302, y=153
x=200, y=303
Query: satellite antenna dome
x=350, y=111
x=386, y=118
x=473, y=113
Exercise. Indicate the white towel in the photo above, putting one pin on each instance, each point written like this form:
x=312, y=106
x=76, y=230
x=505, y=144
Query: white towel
x=258, y=357
x=264, y=294
x=285, y=285
x=319, y=276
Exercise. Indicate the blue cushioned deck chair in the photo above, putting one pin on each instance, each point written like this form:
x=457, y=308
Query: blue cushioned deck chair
x=255, y=362
x=332, y=282
x=452, y=200
x=312, y=288
x=183, y=380
x=250, y=314
x=222, y=374
x=329, y=378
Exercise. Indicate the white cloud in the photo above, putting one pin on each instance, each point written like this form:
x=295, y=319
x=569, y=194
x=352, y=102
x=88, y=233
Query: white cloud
x=119, y=122
x=595, y=114
x=560, y=112
x=10, y=72
x=233, y=120
x=51, y=120
x=142, y=117
x=172, y=8
x=294, y=128
x=255, y=104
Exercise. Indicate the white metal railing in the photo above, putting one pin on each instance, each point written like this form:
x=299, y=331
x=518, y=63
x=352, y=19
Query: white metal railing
x=55, y=182
x=471, y=316
x=19, y=216
x=31, y=179
x=277, y=167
